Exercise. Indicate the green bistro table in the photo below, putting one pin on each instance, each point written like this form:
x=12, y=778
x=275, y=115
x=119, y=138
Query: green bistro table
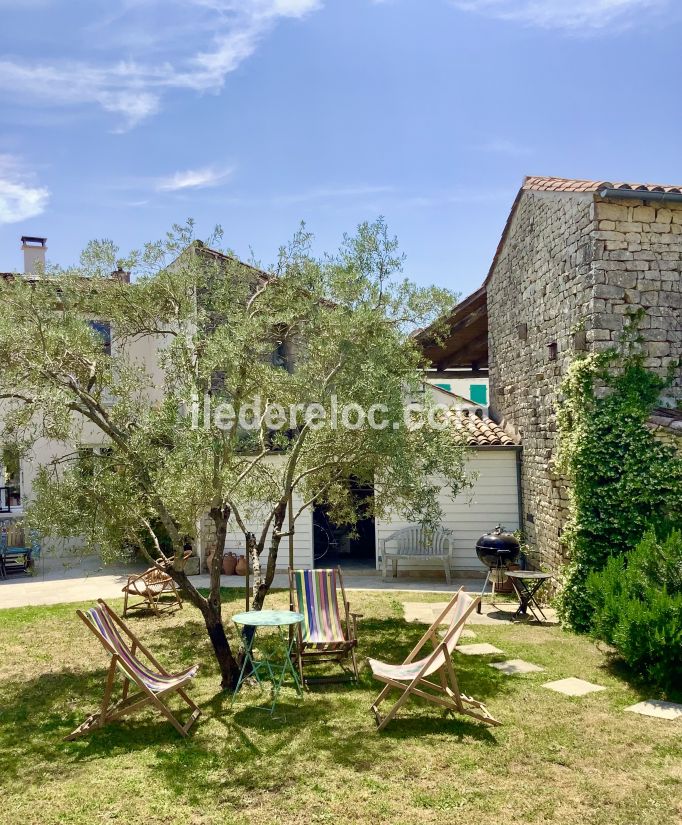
x=275, y=671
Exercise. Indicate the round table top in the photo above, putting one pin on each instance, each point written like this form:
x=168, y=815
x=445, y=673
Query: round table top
x=527, y=574
x=267, y=618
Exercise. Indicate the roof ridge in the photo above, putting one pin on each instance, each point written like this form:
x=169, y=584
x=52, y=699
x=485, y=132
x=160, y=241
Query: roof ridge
x=545, y=183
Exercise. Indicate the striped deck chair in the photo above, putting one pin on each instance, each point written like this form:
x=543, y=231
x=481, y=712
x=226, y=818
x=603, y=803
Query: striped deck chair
x=414, y=677
x=323, y=636
x=155, y=683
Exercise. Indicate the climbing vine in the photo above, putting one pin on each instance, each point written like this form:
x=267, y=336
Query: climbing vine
x=622, y=479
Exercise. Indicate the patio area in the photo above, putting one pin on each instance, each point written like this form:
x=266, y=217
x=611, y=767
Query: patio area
x=73, y=579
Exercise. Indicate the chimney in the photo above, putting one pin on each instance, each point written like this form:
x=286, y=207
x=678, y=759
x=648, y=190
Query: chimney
x=34, y=254
x=121, y=275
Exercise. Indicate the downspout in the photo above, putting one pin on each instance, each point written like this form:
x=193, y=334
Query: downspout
x=519, y=489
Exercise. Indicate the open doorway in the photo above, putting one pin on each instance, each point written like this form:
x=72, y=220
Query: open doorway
x=346, y=545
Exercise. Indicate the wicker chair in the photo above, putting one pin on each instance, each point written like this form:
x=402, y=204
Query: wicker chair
x=150, y=587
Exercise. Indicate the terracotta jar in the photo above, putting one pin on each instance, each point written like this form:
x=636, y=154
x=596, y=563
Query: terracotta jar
x=229, y=564
x=240, y=569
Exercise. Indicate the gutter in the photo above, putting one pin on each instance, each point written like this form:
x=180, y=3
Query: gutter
x=640, y=195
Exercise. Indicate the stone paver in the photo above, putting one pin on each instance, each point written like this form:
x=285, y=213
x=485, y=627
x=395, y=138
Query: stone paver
x=481, y=649
x=491, y=614
x=514, y=666
x=573, y=686
x=657, y=709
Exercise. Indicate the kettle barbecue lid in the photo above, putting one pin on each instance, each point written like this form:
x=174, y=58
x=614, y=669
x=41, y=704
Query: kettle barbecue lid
x=497, y=539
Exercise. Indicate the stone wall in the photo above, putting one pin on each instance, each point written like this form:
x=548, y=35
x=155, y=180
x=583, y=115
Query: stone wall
x=537, y=297
x=570, y=269
x=638, y=263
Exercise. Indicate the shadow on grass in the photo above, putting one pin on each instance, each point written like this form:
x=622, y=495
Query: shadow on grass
x=232, y=750
x=616, y=666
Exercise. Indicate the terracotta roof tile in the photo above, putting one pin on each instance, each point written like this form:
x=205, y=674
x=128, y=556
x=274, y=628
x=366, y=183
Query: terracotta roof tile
x=480, y=432
x=545, y=184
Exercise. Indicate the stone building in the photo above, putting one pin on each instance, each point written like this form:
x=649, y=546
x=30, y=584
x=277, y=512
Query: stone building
x=574, y=258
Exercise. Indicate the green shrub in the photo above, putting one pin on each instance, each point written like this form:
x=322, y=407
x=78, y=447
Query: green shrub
x=621, y=478
x=637, y=607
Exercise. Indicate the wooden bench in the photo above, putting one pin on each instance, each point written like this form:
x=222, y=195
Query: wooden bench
x=16, y=556
x=417, y=543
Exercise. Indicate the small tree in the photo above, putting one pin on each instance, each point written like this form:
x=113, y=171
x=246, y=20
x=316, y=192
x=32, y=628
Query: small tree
x=196, y=331
x=350, y=353
x=621, y=477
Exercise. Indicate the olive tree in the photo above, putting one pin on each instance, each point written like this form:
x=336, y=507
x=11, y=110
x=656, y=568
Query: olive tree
x=216, y=398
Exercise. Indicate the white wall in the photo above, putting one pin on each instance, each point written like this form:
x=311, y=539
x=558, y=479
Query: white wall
x=492, y=500
x=461, y=386
x=303, y=538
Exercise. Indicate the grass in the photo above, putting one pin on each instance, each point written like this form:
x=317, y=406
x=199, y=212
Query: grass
x=555, y=760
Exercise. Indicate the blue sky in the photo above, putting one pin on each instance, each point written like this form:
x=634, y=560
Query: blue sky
x=121, y=117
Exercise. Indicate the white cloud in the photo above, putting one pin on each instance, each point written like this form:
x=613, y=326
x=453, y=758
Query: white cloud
x=566, y=14
x=20, y=198
x=194, y=179
x=201, y=42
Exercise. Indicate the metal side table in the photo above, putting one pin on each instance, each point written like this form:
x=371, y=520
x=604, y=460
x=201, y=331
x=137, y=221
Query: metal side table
x=267, y=668
x=527, y=583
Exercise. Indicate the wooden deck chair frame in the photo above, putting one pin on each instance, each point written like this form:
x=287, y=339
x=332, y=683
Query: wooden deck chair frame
x=111, y=711
x=150, y=592
x=446, y=694
x=334, y=652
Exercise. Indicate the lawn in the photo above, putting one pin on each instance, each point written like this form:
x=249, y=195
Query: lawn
x=555, y=760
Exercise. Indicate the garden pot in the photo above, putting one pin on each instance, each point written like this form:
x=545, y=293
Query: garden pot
x=229, y=564
x=241, y=568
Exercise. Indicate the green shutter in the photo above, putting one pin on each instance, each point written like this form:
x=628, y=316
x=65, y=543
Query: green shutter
x=444, y=386
x=478, y=393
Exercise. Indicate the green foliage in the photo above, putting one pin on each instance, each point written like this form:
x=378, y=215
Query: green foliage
x=621, y=478
x=637, y=607
x=195, y=322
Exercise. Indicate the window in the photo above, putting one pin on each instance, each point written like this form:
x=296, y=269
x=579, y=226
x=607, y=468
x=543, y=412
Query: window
x=103, y=329
x=280, y=355
x=478, y=393
x=552, y=351
x=87, y=456
x=10, y=479
x=447, y=387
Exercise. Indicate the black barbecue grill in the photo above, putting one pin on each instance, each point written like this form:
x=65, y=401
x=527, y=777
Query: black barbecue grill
x=496, y=550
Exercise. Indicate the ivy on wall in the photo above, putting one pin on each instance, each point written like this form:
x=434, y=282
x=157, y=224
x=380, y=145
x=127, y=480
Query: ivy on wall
x=621, y=478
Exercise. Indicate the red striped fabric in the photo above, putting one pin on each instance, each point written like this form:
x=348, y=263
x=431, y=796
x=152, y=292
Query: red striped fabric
x=130, y=664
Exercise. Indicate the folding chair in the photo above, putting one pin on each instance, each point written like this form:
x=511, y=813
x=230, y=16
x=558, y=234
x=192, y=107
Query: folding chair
x=322, y=636
x=155, y=683
x=411, y=678
x=150, y=586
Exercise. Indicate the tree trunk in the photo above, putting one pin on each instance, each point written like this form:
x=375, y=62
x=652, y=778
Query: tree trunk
x=211, y=607
x=261, y=590
x=253, y=559
x=229, y=667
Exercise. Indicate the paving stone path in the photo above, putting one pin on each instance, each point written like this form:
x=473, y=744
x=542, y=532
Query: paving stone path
x=491, y=614
x=481, y=649
x=657, y=709
x=573, y=686
x=513, y=666
x=427, y=612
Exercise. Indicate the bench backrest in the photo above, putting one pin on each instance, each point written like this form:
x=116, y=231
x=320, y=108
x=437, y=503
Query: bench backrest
x=12, y=535
x=418, y=541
